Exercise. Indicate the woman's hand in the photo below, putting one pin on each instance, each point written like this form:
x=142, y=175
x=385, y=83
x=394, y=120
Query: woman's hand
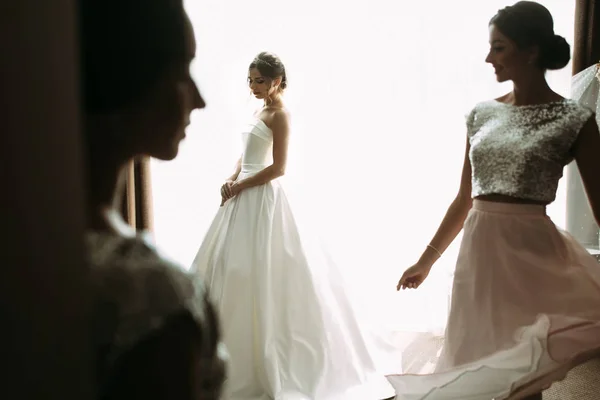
x=414, y=276
x=235, y=189
x=226, y=192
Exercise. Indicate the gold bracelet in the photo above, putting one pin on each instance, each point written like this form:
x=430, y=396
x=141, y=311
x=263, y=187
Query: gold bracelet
x=434, y=249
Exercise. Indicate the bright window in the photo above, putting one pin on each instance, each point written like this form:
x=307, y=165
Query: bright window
x=378, y=91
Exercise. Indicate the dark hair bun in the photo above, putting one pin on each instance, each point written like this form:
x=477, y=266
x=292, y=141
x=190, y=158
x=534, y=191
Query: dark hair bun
x=557, y=54
x=528, y=24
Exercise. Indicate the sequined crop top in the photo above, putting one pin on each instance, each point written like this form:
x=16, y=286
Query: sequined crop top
x=521, y=151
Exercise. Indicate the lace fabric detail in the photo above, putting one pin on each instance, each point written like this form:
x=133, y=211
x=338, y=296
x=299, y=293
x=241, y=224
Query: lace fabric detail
x=585, y=88
x=521, y=151
x=135, y=291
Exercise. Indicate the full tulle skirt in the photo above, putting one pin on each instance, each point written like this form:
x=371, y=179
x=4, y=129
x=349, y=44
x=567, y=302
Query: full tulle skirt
x=525, y=309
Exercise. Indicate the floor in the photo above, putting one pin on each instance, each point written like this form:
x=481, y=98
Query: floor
x=582, y=383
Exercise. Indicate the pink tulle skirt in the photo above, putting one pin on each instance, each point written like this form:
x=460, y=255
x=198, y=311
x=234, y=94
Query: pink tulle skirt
x=525, y=309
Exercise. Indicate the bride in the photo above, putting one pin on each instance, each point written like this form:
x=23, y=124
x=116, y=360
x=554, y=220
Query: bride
x=287, y=321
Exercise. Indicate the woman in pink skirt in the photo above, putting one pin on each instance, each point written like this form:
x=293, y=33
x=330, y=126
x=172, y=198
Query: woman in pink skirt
x=526, y=296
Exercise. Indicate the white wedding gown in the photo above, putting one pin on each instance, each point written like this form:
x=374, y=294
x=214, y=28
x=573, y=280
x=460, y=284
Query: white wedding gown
x=286, y=316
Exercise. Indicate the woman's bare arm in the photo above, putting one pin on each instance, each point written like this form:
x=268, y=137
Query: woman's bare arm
x=455, y=216
x=236, y=171
x=586, y=151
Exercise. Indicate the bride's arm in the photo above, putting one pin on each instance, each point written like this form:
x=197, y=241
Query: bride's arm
x=280, y=128
x=236, y=172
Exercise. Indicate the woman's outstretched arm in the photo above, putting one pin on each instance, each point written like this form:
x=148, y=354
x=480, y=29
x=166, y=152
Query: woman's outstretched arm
x=449, y=228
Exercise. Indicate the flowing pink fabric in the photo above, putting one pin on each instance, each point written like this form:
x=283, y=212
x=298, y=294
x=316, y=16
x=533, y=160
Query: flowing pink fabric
x=525, y=309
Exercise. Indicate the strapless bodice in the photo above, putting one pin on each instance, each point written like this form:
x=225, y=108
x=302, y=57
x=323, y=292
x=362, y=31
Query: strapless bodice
x=257, y=140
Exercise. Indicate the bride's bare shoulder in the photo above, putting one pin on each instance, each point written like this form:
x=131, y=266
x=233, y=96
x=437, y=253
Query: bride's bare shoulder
x=276, y=116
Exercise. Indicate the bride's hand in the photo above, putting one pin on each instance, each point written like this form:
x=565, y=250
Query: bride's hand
x=414, y=276
x=226, y=191
x=235, y=189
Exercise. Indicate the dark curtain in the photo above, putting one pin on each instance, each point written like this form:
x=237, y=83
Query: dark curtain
x=586, y=52
x=137, y=201
x=44, y=289
x=586, y=49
